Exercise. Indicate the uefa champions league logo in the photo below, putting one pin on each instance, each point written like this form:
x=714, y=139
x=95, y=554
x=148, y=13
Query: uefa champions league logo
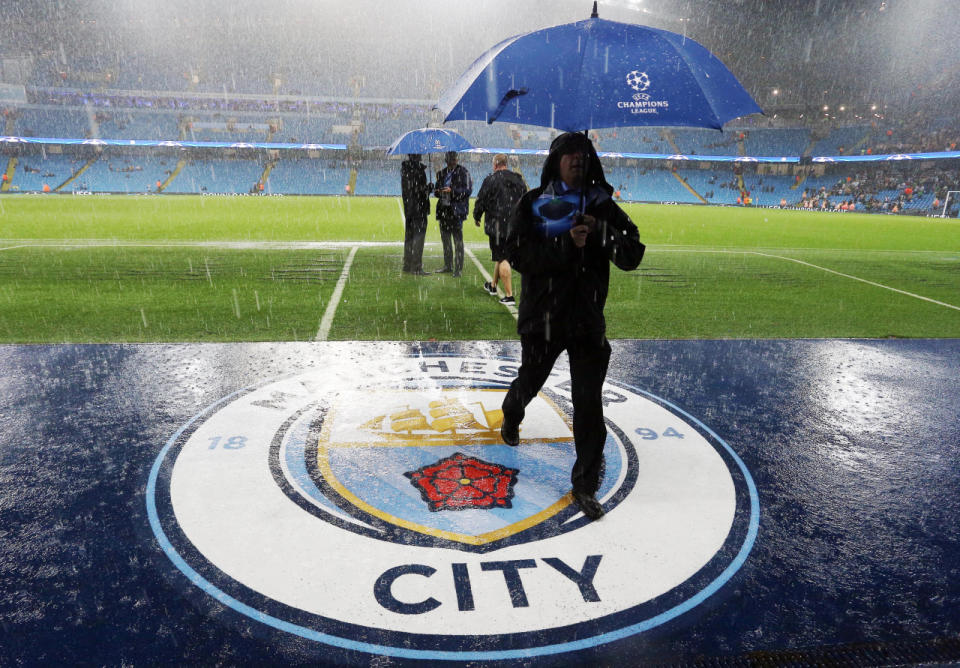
x=638, y=81
x=372, y=505
x=642, y=102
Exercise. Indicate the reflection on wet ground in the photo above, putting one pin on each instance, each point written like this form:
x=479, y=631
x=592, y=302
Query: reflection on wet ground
x=853, y=445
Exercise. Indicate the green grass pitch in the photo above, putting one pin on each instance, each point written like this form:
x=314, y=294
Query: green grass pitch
x=167, y=268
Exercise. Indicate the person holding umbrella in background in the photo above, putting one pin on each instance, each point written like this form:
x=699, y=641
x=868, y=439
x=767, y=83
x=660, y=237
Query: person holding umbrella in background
x=415, y=192
x=499, y=194
x=453, y=188
x=562, y=238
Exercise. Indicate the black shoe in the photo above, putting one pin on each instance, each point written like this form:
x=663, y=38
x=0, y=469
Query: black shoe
x=488, y=286
x=510, y=432
x=588, y=504
x=445, y=270
x=456, y=274
x=420, y=272
x=508, y=300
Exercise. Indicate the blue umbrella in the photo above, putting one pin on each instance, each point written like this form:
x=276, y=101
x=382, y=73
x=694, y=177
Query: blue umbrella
x=598, y=74
x=429, y=140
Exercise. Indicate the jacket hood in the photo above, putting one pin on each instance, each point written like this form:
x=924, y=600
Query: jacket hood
x=565, y=143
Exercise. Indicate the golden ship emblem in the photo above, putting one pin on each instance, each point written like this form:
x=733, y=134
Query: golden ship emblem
x=449, y=421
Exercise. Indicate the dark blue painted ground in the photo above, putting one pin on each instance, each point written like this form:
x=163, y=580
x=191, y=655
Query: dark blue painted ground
x=854, y=447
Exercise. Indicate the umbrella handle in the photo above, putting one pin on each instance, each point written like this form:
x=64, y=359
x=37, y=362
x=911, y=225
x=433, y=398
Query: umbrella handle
x=586, y=166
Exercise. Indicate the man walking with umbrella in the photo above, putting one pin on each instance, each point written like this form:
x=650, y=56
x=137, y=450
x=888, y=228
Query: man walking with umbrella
x=453, y=188
x=562, y=238
x=496, y=199
x=416, y=207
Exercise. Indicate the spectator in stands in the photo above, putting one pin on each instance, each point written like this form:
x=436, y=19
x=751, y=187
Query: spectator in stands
x=415, y=192
x=453, y=188
x=496, y=200
x=565, y=281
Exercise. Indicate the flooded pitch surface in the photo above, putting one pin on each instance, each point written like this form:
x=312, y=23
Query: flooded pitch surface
x=352, y=503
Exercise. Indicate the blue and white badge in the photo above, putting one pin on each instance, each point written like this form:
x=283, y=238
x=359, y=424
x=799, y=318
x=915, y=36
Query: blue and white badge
x=555, y=214
x=371, y=505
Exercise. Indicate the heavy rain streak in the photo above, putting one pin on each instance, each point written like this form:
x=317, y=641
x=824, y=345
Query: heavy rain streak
x=860, y=51
x=299, y=101
x=479, y=332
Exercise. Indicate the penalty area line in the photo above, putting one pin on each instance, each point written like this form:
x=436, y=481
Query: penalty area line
x=327, y=321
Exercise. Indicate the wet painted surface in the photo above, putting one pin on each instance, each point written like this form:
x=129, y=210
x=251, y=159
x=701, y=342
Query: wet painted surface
x=854, y=448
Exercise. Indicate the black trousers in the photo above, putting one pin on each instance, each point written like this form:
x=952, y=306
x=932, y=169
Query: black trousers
x=413, y=247
x=589, y=358
x=451, y=236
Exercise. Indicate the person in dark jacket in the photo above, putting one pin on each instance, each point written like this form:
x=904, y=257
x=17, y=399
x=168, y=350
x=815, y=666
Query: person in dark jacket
x=562, y=238
x=499, y=194
x=416, y=207
x=453, y=188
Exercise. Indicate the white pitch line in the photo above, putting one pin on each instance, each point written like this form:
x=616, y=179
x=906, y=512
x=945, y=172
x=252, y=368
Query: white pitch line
x=228, y=245
x=327, y=320
x=816, y=266
x=857, y=278
x=487, y=277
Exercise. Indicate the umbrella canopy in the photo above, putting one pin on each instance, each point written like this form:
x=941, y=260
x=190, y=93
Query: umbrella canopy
x=598, y=74
x=429, y=140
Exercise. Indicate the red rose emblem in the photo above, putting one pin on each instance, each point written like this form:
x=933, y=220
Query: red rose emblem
x=459, y=482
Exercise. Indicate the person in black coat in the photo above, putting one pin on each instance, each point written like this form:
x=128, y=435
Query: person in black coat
x=562, y=238
x=498, y=195
x=453, y=188
x=416, y=207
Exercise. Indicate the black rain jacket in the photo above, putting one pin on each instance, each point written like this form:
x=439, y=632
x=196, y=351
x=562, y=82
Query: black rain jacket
x=498, y=196
x=415, y=193
x=564, y=288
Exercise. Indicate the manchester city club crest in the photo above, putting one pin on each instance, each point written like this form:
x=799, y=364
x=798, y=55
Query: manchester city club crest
x=373, y=506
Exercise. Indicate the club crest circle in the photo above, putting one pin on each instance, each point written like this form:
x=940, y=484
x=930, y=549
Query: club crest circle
x=371, y=505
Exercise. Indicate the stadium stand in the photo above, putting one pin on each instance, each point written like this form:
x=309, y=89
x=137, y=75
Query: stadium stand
x=706, y=142
x=216, y=176
x=843, y=141
x=35, y=121
x=122, y=174
x=379, y=178
x=307, y=129
x=130, y=124
x=788, y=141
x=632, y=140
x=35, y=171
x=368, y=127
x=649, y=185
x=309, y=177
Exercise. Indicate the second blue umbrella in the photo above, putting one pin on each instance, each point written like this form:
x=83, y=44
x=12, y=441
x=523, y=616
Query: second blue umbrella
x=429, y=140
